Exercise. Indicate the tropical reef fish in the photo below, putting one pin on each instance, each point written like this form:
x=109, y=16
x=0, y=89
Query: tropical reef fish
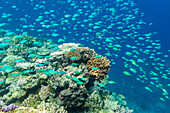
x=116, y=28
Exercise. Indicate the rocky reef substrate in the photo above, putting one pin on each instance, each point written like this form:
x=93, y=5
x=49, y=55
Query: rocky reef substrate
x=39, y=76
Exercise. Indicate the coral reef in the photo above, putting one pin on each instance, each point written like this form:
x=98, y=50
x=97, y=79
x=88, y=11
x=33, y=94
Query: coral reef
x=94, y=102
x=43, y=77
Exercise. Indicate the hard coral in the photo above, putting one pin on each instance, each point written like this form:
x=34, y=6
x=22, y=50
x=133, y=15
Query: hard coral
x=17, y=39
x=31, y=101
x=86, y=53
x=83, y=53
x=53, y=83
x=94, y=102
x=45, y=107
x=72, y=98
x=71, y=54
x=103, y=66
x=64, y=93
x=44, y=92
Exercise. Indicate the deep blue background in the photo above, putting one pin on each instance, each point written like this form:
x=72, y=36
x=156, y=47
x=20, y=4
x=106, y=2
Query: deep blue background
x=158, y=12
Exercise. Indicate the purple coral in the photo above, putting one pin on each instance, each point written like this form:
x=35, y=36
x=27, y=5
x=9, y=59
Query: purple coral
x=8, y=108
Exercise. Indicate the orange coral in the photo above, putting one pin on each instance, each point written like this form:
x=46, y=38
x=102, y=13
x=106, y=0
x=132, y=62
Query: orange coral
x=103, y=66
x=74, y=53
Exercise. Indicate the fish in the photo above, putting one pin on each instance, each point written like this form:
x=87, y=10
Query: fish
x=19, y=60
x=2, y=81
x=15, y=74
x=74, y=64
x=113, y=28
x=28, y=71
x=74, y=57
x=111, y=82
x=23, y=41
x=32, y=55
x=77, y=72
x=95, y=68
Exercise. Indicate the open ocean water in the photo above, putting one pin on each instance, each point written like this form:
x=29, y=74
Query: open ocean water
x=133, y=34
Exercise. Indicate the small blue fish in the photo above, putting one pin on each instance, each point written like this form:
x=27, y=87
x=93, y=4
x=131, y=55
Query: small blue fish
x=62, y=72
x=19, y=60
x=23, y=41
x=15, y=74
x=9, y=70
x=39, y=65
x=74, y=57
x=2, y=81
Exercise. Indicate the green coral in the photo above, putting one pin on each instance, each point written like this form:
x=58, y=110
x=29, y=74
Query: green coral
x=29, y=39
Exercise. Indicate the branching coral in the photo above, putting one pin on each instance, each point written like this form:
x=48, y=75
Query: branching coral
x=44, y=92
x=64, y=93
x=94, y=102
x=98, y=67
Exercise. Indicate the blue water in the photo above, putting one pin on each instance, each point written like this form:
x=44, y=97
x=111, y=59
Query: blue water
x=156, y=12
